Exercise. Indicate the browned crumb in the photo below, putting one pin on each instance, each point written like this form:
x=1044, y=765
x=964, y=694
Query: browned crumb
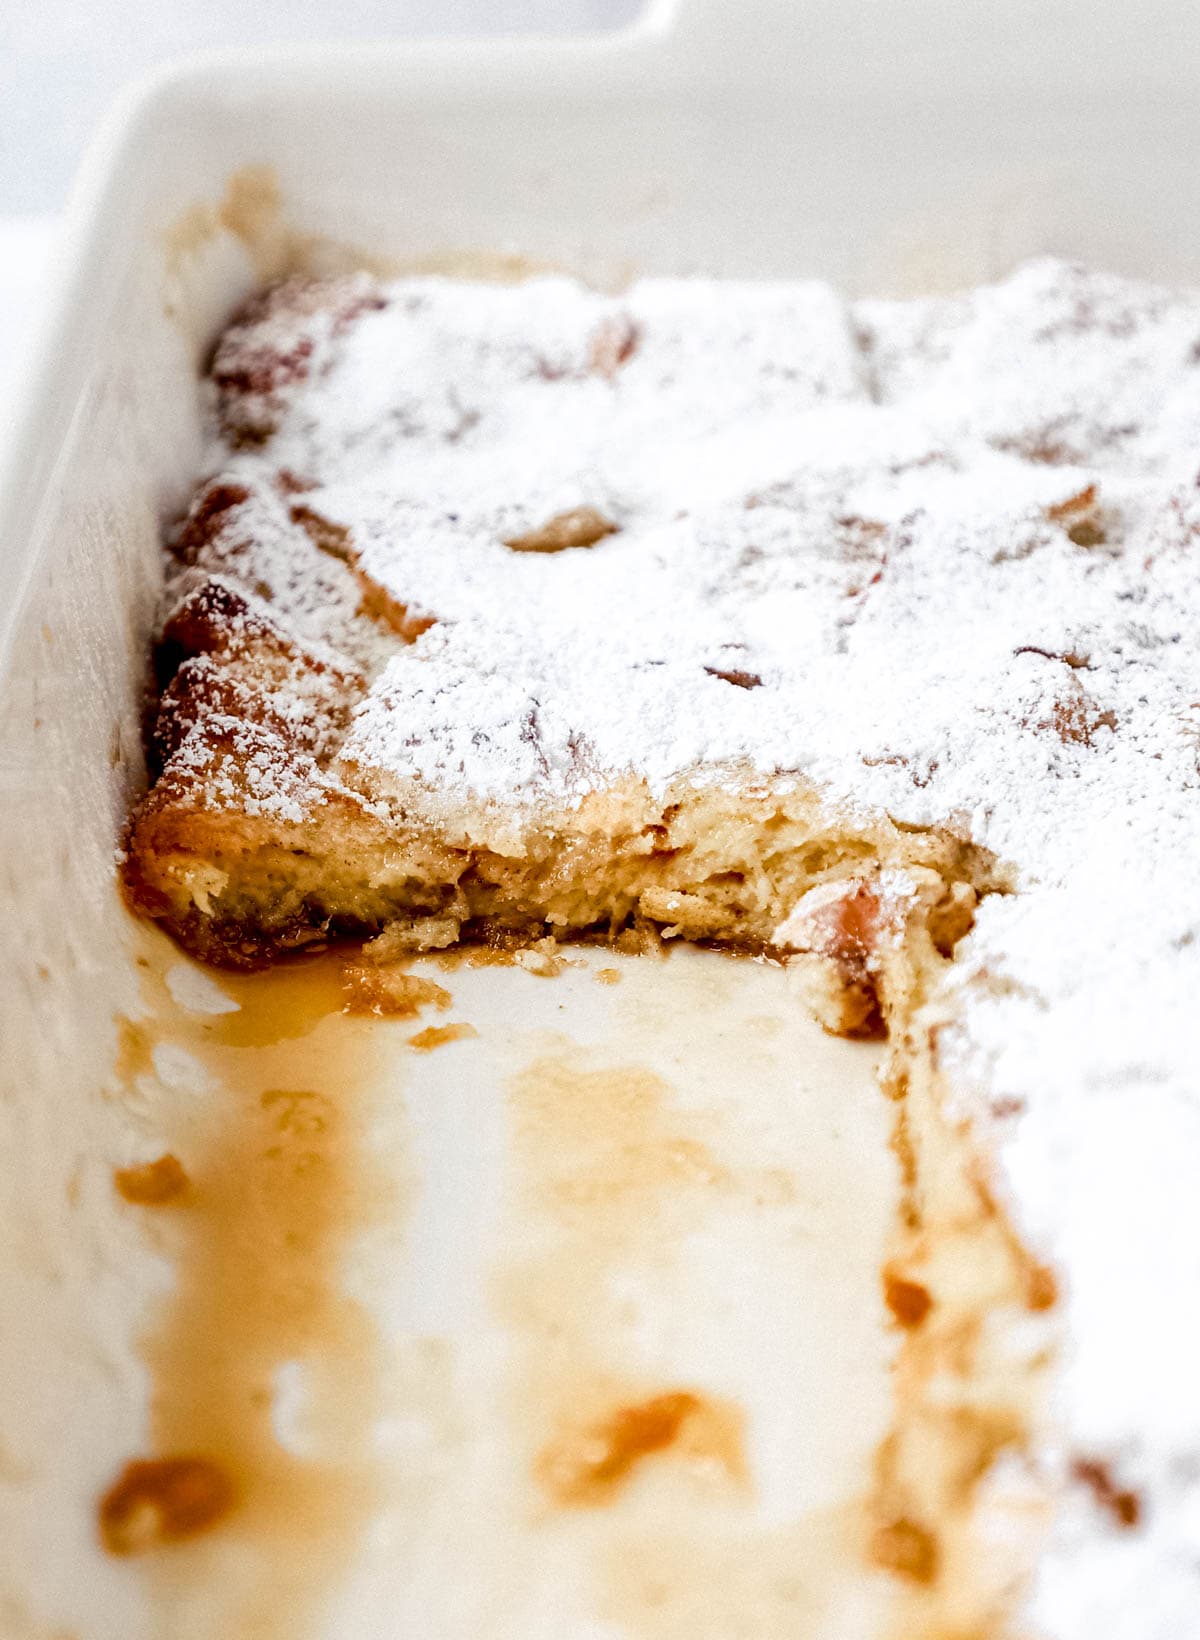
x=1006, y=1106
x=476, y=956
x=389, y=991
x=541, y=959
x=150, y=1184
x=436, y=1036
x=411, y=936
x=909, y=1301
x=1072, y=715
x=740, y=680
x=614, y=342
x=608, y=976
x=162, y=1500
x=1042, y=447
x=580, y=527
x=859, y=534
x=1079, y=516
x=1074, y=725
x=907, y=1549
x=1074, y=658
x=641, y=940
x=1124, y=1506
x=493, y=945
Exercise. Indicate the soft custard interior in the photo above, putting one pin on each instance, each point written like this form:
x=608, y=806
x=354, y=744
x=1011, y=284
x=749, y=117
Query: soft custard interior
x=866, y=915
x=726, y=864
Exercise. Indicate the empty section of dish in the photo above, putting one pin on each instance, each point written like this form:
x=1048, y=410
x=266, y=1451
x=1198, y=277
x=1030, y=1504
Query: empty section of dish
x=588, y=1301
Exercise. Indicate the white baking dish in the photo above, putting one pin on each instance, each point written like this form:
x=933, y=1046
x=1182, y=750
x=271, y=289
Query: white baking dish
x=885, y=148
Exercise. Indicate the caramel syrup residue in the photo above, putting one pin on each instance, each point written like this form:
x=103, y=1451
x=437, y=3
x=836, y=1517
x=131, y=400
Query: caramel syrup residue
x=605, y=1140
x=135, y=1049
x=617, y=1174
x=278, y=1183
x=587, y=1467
x=152, y=1184
x=909, y=1301
x=436, y=1036
x=906, y=1548
x=1123, y=1505
x=162, y=1500
x=250, y=209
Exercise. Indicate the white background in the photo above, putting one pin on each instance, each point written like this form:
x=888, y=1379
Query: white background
x=63, y=61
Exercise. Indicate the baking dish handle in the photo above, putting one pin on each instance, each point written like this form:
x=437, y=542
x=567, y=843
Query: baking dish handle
x=934, y=46
x=734, y=34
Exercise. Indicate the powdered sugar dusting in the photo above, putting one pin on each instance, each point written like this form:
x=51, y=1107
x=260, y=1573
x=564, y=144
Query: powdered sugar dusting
x=942, y=558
